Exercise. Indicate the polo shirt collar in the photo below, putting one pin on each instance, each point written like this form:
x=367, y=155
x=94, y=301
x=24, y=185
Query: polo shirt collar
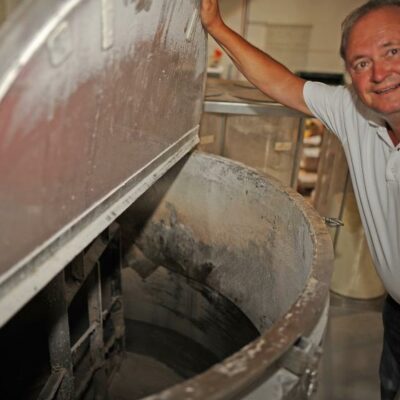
x=382, y=132
x=375, y=121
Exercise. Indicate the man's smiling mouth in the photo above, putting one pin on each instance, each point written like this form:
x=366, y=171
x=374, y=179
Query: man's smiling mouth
x=388, y=89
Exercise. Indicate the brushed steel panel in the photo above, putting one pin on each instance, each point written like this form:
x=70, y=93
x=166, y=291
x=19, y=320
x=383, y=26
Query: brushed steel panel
x=95, y=97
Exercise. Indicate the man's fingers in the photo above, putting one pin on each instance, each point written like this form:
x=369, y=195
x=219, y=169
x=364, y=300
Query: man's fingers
x=209, y=12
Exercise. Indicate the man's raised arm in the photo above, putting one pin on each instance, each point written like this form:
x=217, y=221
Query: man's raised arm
x=271, y=77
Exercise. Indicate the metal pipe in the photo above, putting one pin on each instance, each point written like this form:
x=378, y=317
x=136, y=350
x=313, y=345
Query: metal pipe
x=80, y=390
x=297, y=154
x=245, y=18
x=223, y=138
x=49, y=391
x=96, y=340
x=59, y=336
x=83, y=338
x=241, y=108
x=342, y=207
x=107, y=311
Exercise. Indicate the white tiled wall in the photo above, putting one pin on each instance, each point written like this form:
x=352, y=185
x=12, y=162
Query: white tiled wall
x=321, y=17
x=6, y=8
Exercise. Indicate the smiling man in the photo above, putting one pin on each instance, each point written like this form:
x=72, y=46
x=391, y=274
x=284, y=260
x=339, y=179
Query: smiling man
x=366, y=118
x=371, y=50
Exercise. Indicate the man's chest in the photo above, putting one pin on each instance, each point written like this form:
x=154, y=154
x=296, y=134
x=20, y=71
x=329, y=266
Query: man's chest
x=375, y=170
x=393, y=167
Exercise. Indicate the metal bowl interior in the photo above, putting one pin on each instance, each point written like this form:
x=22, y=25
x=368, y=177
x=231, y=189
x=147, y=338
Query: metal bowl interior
x=244, y=235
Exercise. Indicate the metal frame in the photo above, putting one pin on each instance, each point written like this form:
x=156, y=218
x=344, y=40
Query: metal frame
x=86, y=269
x=49, y=42
x=272, y=109
x=28, y=277
x=268, y=108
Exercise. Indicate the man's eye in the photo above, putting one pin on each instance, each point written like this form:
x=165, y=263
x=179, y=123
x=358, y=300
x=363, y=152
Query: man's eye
x=393, y=52
x=361, y=65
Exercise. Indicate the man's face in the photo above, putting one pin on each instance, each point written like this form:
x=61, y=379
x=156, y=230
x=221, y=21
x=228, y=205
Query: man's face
x=373, y=60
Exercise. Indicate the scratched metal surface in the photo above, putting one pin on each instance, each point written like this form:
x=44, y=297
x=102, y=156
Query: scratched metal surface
x=91, y=92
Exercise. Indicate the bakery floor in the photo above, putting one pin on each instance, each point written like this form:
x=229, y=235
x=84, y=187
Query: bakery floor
x=350, y=363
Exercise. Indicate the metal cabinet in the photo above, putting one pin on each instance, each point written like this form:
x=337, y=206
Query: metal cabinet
x=243, y=124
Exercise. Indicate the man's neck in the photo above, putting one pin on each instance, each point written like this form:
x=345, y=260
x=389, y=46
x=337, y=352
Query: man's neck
x=394, y=134
x=393, y=127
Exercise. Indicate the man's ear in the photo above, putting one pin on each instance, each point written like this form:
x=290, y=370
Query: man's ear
x=347, y=75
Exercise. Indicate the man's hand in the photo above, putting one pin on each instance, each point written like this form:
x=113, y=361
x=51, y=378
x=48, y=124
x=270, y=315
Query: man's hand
x=210, y=15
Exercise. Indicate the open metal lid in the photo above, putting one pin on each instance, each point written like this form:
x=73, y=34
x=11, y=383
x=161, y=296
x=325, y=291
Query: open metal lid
x=98, y=99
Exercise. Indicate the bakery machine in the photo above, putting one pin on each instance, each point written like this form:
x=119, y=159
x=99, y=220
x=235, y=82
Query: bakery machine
x=132, y=266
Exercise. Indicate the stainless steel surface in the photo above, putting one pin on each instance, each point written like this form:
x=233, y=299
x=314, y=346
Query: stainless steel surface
x=258, y=132
x=245, y=108
x=7, y=7
x=268, y=144
x=227, y=97
x=97, y=100
x=297, y=154
x=256, y=243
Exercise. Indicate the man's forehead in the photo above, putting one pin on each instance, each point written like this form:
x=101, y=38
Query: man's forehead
x=378, y=29
x=388, y=16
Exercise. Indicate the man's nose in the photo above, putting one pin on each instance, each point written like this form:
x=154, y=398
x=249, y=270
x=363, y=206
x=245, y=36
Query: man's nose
x=380, y=70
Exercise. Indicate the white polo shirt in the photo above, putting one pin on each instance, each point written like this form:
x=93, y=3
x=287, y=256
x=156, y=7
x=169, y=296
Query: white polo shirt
x=374, y=164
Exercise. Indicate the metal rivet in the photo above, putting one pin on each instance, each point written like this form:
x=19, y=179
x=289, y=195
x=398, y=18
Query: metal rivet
x=107, y=20
x=59, y=44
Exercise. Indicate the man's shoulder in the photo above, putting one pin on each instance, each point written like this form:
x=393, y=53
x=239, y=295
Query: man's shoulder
x=340, y=100
x=333, y=91
x=339, y=108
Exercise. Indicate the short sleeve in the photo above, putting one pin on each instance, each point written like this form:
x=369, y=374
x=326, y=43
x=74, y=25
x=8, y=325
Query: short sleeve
x=332, y=105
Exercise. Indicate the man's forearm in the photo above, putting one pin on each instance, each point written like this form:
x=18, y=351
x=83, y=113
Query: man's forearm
x=270, y=76
x=251, y=62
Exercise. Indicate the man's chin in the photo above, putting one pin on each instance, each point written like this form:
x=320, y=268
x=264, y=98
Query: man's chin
x=385, y=109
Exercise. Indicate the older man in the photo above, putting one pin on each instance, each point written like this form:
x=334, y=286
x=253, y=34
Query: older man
x=366, y=118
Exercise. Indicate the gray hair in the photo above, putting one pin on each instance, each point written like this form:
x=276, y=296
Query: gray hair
x=355, y=15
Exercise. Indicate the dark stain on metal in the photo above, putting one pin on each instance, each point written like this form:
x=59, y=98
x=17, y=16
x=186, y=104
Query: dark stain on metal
x=143, y=5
